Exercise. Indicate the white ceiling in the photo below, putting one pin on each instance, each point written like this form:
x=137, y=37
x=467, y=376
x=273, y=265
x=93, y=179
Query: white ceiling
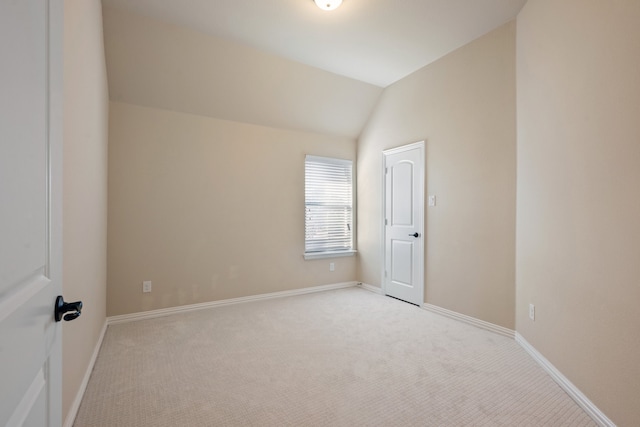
x=374, y=41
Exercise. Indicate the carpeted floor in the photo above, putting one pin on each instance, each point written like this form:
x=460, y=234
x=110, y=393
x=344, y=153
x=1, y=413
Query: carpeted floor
x=339, y=358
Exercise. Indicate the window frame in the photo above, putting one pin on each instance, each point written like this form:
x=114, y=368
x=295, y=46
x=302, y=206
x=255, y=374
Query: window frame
x=331, y=253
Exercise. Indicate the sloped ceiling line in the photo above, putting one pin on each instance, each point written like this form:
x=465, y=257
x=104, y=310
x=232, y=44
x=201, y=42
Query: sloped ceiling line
x=282, y=63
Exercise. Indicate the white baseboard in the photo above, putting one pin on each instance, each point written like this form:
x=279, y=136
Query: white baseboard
x=573, y=391
x=75, y=406
x=596, y=414
x=453, y=315
x=470, y=320
x=371, y=288
x=201, y=306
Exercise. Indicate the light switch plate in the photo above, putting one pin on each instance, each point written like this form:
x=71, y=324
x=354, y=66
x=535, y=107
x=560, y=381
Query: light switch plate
x=146, y=286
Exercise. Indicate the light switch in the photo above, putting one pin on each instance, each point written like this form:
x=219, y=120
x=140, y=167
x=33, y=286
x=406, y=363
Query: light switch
x=146, y=286
x=432, y=200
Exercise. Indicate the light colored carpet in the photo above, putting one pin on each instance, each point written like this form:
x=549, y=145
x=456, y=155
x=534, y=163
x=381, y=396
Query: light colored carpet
x=339, y=358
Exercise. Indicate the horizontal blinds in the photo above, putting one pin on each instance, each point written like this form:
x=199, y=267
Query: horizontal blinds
x=328, y=204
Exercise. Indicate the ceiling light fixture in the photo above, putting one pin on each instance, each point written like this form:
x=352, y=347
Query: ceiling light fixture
x=328, y=4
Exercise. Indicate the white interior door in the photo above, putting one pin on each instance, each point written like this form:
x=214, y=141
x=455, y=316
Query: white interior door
x=30, y=246
x=403, y=275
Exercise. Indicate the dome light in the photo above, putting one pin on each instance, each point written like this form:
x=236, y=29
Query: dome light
x=328, y=4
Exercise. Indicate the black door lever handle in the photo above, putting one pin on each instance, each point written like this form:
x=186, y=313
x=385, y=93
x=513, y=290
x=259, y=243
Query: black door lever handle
x=64, y=307
x=416, y=234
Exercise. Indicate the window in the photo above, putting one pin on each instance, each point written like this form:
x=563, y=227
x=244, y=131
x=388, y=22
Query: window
x=328, y=224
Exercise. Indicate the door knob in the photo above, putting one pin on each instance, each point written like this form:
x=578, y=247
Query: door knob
x=64, y=307
x=416, y=234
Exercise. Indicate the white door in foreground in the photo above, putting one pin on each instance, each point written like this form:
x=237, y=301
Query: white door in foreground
x=403, y=275
x=30, y=196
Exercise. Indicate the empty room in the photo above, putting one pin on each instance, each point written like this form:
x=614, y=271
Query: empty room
x=320, y=212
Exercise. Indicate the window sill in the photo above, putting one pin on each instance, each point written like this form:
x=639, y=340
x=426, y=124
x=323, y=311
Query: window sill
x=336, y=254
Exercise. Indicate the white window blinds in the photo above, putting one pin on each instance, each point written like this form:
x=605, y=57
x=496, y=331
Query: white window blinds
x=328, y=205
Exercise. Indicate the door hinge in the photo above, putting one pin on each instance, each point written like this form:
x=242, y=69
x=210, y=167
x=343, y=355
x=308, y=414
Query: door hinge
x=386, y=170
x=386, y=221
x=385, y=273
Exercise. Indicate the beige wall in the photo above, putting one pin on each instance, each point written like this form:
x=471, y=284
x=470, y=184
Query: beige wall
x=85, y=187
x=208, y=209
x=578, y=213
x=464, y=106
x=161, y=65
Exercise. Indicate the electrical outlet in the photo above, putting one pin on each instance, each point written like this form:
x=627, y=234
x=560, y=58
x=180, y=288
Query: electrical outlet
x=532, y=312
x=332, y=266
x=146, y=286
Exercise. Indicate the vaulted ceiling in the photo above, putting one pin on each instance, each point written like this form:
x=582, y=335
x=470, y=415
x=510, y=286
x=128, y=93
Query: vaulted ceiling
x=282, y=63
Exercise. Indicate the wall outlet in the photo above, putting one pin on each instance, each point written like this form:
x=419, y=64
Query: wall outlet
x=146, y=286
x=532, y=312
x=332, y=266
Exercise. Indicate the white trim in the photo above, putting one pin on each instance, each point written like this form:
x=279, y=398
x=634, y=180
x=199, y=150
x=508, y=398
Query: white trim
x=336, y=254
x=75, y=406
x=422, y=145
x=383, y=224
x=408, y=147
x=371, y=288
x=583, y=401
x=55, y=163
x=334, y=160
x=193, y=307
x=510, y=333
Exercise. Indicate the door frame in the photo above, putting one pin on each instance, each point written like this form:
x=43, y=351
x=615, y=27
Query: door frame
x=421, y=221
x=55, y=152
